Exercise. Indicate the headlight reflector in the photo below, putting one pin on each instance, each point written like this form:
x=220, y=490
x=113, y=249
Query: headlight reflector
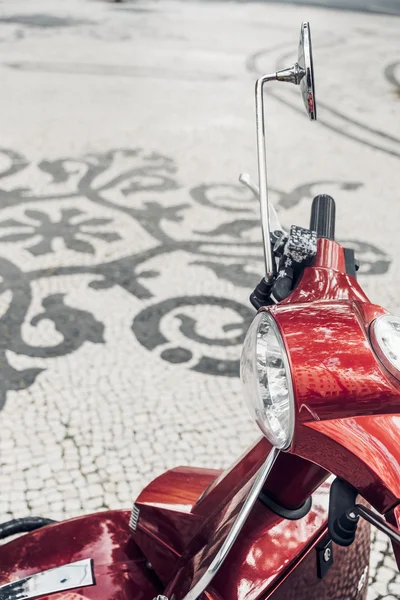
x=267, y=384
x=385, y=339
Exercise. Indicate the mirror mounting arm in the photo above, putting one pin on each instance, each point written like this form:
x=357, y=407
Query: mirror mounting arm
x=262, y=174
x=301, y=73
x=293, y=75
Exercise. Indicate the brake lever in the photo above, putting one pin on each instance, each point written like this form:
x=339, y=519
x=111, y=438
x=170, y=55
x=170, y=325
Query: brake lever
x=246, y=180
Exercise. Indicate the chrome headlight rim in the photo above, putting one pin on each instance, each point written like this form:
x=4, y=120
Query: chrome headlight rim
x=288, y=373
x=267, y=430
x=383, y=357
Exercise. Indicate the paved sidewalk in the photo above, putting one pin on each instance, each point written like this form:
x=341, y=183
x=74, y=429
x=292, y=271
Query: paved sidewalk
x=123, y=229
x=388, y=7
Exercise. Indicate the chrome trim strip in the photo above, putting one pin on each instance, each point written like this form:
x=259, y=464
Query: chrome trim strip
x=241, y=519
x=66, y=577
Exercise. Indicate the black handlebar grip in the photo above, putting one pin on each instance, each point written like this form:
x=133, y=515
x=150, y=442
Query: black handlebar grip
x=323, y=216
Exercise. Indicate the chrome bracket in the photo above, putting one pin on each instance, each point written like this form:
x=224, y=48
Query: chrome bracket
x=293, y=75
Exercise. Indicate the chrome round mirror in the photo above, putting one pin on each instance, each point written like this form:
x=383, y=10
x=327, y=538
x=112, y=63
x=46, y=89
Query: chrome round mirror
x=305, y=62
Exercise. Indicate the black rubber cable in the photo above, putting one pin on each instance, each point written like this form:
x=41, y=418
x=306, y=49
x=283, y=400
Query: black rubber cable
x=23, y=525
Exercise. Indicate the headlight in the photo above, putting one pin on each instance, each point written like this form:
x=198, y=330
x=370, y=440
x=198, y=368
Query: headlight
x=265, y=374
x=385, y=339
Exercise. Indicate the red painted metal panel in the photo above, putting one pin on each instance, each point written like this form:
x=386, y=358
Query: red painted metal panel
x=334, y=369
x=365, y=451
x=167, y=523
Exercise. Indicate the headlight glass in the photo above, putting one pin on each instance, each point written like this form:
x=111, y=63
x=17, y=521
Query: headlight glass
x=267, y=384
x=385, y=339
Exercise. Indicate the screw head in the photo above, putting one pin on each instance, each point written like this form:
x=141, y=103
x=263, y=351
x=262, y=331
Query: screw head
x=327, y=554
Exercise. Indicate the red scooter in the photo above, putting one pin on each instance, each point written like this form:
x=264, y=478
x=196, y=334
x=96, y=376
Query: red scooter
x=290, y=519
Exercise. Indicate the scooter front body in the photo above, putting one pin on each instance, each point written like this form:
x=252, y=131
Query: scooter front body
x=339, y=381
x=274, y=557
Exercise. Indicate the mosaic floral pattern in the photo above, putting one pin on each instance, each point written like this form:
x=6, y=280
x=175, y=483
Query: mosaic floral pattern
x=67, y=229
x=227, y=250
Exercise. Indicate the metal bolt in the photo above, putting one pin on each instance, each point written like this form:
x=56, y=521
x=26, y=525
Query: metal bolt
x=327, y=554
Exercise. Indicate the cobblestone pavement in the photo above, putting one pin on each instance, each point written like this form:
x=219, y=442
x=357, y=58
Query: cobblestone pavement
x=123, y=230
x=389, y=7
x=386, y=7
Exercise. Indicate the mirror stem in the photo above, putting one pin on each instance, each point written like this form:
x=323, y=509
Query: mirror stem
x=293, y=75
x=262, y=174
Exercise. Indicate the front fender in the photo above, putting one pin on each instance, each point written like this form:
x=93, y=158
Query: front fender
x=365, y=451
